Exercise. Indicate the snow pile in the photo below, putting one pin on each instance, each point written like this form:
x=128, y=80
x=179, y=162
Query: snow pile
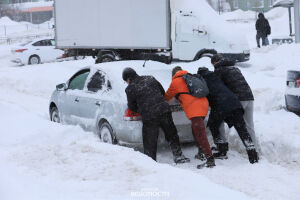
x=6, y=21
x=21, y=30
x=245, y=20
x=248, y=16
x=63, y=162
x=277, y=129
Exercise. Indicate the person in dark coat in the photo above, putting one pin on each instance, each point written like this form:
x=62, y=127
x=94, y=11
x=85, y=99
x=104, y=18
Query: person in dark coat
x=225, y=106
x=263, y=30
x=145, y=95
x=236, y=82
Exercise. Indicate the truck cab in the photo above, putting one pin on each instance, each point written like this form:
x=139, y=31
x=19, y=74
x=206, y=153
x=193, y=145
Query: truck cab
x=193, y=37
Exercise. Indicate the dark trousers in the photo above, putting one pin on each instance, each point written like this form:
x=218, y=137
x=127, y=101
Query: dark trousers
x=151, y=132
x=263, y=38
x=237, y=121
x=199, y=133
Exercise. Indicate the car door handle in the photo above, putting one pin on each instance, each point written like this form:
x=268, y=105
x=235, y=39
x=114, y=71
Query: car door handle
x=98, y=103
x=37, y=49
x=77, y=99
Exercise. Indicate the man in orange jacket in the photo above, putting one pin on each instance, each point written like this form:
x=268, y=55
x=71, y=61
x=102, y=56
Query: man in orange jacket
x=195, y=109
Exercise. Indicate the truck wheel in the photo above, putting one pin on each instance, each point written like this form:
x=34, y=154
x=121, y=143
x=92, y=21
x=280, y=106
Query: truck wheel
x=205, y=53
x=105, y=58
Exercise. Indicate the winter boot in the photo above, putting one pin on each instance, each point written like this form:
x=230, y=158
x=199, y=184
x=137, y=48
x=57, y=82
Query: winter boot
x=252, y=155
x=222, y=153
x=200, y=155
x=177, y=153
x=210, y=163
x=181, y=159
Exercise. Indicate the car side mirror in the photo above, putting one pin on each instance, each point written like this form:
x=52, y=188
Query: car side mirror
x=61, y=87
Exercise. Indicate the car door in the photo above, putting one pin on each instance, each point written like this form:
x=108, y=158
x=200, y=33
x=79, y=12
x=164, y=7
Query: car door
x=191, y=37
x=92, y=104
x=44, y=49
x=71, y=99
x=39, y=48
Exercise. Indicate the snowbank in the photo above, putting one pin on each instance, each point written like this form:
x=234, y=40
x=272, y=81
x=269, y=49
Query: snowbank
x=6, y=21
x=247, y=16
x=64, y=162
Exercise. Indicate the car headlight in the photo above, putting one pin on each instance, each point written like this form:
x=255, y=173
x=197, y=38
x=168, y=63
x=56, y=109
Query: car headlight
x=246, y=51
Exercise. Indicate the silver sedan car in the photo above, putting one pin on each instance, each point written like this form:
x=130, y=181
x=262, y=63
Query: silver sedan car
x=95, y=99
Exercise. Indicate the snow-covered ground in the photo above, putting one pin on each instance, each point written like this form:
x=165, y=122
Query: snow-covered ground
x=43, y=160
x=11, y=31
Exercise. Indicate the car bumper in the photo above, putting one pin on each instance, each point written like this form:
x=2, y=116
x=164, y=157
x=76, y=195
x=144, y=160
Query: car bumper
x=132, y=135
x=238, y=57
x=17, y=60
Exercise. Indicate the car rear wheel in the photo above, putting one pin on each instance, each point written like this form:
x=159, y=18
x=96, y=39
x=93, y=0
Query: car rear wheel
x=106, y=133
x=33, y=60
x=55, y=115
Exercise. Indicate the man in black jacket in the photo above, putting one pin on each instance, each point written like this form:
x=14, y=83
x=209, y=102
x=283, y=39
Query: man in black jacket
x=236, y=82
x=263, y=30
x=145, y=95
x=225, y=106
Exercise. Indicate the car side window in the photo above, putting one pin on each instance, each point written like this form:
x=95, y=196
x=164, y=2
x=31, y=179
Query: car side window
x=77, y=82
x=43, y=43
x=97, y=82
x=48, y=43
x=38, y=43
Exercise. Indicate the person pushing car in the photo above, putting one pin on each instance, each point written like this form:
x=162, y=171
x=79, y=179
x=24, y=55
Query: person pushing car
x=195, y=109
x=225, y=106
x=145, y=95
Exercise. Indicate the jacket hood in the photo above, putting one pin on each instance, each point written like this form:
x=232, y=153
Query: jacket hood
x=224, y=63
x=179, y=73
x=261, y=16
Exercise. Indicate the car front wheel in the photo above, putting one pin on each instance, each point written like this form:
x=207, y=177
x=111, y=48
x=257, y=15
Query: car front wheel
x=54, y=115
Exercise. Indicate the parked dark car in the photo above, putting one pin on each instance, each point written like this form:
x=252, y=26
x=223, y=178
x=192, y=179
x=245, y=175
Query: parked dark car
x=292, y=95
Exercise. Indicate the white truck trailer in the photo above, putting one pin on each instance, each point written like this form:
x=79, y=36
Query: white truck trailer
x=138, y=30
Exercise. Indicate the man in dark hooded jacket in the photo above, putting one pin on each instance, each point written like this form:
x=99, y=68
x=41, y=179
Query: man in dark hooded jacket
x=225, y=106
x=263, y=30
x=236, y=82
x=145, y=95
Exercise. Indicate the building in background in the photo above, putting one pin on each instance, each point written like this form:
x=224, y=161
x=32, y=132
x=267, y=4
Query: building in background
x=230, y=5
x=254, y=5
x=33, y=11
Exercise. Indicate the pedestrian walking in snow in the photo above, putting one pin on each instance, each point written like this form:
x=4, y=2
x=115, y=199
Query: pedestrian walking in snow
x=145, y=95
x=225, y=106
x=263, y=30
x=195, y=109
x=236, y=82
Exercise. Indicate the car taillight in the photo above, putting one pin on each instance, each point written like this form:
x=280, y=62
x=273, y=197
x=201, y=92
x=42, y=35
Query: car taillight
x=131, y=116
x=298, y=82
x=63, y=56
x=20, y=50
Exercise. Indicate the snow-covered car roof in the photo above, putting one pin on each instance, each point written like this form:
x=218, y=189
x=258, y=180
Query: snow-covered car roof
x=113, y=70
